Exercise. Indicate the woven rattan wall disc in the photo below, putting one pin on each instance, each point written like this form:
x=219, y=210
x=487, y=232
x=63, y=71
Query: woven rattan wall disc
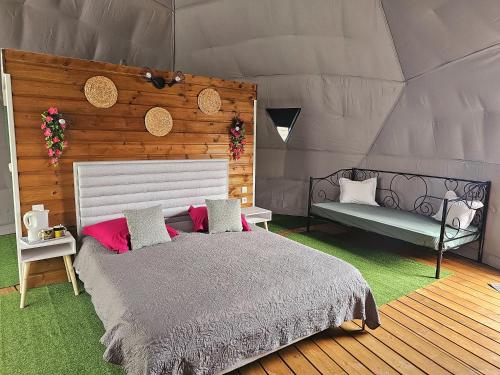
x=209, y=101
x=101, y=92
x=158, y=121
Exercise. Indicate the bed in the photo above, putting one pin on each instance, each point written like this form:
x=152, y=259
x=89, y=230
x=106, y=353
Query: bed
x=203, y=304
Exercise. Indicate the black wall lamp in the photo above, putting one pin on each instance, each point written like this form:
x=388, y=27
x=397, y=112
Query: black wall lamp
x=159, y=82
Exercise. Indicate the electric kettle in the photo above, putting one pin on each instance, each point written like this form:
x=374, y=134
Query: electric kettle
x=35, y=221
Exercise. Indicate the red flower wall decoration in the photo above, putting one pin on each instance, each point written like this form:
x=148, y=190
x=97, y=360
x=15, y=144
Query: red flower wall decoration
x=237, y=138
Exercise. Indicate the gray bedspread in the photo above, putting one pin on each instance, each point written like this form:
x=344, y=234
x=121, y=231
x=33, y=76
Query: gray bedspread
x=202, y=303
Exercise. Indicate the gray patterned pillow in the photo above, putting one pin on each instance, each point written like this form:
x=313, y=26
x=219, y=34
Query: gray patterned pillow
x=224, y=215
x=146, y=227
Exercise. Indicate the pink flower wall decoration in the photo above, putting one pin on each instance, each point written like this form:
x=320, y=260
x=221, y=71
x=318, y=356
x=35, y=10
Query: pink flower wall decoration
x=53, y=126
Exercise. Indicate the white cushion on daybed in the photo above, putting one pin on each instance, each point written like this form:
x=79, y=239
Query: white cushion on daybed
x=360, y=192
x=460, y=214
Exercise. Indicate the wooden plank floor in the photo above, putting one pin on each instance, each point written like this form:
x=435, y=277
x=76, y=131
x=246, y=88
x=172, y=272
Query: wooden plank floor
x=450, y=327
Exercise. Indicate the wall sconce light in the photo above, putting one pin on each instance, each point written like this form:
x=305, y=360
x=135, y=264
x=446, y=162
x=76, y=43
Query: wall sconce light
x=159, y=82
x=177, y=78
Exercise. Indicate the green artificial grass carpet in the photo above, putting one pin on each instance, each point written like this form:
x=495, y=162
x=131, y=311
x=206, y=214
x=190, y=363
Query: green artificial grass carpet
x=8, y=261
x=284, y=222
x=58, y=333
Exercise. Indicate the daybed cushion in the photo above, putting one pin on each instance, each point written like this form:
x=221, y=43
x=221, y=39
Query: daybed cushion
x=202, y=303
x=407, y=226
x=458, y=214
x=360, y=192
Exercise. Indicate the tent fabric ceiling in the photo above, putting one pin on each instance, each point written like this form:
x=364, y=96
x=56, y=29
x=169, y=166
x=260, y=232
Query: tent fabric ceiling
x=285, y=37
x=440, y=116
x=391, y=84
x=141, y=33
x=430, y=33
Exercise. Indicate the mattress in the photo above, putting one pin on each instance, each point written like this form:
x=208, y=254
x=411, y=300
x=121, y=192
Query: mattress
x=203, y=303
x=407, y=226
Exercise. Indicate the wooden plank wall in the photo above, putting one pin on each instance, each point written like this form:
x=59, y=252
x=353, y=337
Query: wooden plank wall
x=40, y=81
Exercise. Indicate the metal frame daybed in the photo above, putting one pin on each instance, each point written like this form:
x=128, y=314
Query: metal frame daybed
x=401, y=215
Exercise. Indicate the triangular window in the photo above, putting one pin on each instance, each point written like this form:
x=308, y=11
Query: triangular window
x=283, y=119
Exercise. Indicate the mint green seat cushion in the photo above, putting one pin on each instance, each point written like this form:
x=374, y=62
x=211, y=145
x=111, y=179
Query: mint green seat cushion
x=407, y=226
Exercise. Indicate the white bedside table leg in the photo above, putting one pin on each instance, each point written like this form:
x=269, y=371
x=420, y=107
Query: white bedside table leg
x=24, y=286
x=67, y=271
x=69, y=266
x=265, y=225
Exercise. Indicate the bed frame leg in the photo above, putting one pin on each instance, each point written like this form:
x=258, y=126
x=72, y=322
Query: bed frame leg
x=438, y=263
x=363, y=324
x=480, y=249
x=309, y=202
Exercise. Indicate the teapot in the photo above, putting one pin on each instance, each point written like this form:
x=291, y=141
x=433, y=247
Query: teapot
x=35, y=221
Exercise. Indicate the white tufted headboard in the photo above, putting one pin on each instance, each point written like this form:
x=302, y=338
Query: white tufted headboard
x=104, y=189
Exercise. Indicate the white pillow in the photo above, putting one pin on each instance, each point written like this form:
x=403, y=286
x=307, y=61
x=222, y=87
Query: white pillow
x=460, y=210
x=361, y=192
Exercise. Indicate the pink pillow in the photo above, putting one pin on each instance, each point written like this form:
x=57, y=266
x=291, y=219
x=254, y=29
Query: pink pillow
x=114, y=235
x=199, y=217
x=244, y=223
x=171, y=231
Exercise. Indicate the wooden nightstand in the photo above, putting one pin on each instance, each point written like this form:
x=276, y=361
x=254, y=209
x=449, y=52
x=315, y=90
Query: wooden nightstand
x=256, y=215
x=57, y=247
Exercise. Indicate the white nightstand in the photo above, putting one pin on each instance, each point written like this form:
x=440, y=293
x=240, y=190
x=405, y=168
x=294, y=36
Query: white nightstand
x=57, y=247
x=256, y=215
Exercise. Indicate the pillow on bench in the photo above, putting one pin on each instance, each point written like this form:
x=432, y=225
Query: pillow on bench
x=360, y=192
x=460, y=214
